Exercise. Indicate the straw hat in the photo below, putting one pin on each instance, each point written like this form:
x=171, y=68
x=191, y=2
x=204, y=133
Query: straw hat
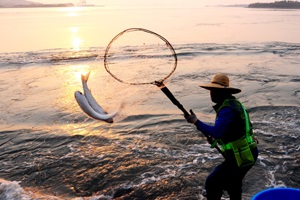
x=220, y=81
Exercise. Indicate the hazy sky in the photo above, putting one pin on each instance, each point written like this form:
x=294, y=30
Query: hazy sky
x=197, y=2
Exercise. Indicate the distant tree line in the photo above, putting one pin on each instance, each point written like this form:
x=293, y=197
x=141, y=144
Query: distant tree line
x=277, y=4
x=45, y=5
x=38, y=5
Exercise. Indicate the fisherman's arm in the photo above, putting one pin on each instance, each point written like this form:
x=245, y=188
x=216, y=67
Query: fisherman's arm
x=223, y=121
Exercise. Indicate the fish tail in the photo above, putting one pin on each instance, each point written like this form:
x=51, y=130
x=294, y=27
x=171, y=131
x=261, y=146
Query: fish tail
x=85, y=78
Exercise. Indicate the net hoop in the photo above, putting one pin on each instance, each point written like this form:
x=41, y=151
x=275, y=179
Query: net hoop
x=154, y=82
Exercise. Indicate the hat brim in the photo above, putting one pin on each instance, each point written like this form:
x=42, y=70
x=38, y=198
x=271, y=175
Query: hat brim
x=213, y=86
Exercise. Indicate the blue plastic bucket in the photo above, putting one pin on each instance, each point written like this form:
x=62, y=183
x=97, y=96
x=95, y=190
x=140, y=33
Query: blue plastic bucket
x=278, y=194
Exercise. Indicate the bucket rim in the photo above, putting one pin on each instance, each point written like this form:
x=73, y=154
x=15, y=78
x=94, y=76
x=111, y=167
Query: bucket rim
x=274, y=189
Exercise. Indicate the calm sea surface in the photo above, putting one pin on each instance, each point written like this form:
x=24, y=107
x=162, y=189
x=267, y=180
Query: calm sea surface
x=51, y=28
x=49, y=149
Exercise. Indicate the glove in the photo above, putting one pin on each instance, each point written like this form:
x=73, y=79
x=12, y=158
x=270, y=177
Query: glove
x=192, y=118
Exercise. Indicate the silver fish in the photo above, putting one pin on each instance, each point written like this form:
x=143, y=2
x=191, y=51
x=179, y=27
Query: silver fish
x=86, y=107
x=87, y=93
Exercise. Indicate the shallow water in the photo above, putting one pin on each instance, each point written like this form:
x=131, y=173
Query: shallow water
x=51, y=150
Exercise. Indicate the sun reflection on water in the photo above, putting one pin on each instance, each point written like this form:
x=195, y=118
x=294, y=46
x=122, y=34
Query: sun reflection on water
x=76, y=41
x=71, y=83
x=72, y=11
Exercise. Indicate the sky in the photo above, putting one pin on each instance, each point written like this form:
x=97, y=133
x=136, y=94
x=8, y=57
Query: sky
x=198, y=2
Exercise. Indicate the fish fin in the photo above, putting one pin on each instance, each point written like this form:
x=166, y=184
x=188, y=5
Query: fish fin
x=85, y=78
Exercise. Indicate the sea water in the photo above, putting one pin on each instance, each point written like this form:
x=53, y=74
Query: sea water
x=51, y=150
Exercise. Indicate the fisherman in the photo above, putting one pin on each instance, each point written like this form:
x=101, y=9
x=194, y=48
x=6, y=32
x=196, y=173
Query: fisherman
x=233, y=131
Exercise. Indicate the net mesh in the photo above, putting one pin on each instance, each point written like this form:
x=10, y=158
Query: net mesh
x=138, y=56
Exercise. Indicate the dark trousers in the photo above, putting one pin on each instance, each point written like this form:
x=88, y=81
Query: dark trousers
x=227, y=176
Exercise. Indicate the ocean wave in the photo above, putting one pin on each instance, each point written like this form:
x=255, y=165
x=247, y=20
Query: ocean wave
x=182, y=50
x=50, y=56
x=199, y=49
x=12, y=190
x=143, y=155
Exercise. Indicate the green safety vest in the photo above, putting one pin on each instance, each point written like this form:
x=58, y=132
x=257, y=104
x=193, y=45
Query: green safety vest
x=242, y=146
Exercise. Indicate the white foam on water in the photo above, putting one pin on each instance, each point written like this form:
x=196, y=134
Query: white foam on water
x=11, y=190
x=265, y=133
x=93, y=197
x=260, y=159
x=273, y=182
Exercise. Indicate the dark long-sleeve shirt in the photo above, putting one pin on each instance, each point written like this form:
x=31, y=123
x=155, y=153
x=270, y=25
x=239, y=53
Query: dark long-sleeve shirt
x=224, y=119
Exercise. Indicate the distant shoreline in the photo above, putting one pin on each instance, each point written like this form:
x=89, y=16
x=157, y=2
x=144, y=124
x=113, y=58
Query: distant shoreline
x=277, y=5
x=39, y=5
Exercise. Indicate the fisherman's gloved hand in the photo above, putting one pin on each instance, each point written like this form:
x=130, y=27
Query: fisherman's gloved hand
x=192, y=118
x=210, y=140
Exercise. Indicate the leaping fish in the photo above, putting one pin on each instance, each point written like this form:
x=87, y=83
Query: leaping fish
x=91, y=102
x=86, y=107
x=87, y=93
